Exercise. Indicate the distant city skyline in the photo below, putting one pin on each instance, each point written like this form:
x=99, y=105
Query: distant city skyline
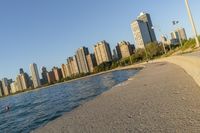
x=47, y=32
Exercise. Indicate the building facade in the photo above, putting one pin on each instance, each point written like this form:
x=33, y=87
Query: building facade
x=1, y=89
x=13, y=87
x=81, y=54
x=146, y=18
x=73, y=66
x=164, y=40
x=102, y=52
x=58, y=74
x=44, y=75
x=179, y=32
x=35, y=75
x=91, y=60
x=51, y=77
x=124, y=49
x=115, y=55
x=64, y=70
x=18, y=82
x=6, y=86
x=142, y=29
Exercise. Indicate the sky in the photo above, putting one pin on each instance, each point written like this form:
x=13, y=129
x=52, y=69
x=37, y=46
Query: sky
x=48, y=31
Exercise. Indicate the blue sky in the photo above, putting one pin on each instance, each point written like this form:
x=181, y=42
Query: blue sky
x=48, y=31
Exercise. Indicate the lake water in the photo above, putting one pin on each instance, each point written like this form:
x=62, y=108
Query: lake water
x=31, y=110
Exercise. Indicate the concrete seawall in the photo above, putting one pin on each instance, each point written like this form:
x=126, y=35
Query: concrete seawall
x=191, y=65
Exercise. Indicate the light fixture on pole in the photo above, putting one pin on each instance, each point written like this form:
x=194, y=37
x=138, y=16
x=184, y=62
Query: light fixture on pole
x=192, y=23
x=161, y=42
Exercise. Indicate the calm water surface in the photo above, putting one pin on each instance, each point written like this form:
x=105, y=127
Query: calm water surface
x=34, y=109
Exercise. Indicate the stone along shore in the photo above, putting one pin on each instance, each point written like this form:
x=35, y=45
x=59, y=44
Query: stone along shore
x=160, y=98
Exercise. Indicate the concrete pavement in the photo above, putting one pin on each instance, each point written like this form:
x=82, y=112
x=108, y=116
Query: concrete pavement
x=161, y=98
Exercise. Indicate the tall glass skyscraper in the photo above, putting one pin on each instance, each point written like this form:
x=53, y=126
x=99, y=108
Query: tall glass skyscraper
x=81, y=54
x=143, y=30
x=35, y=75
x=145, y=17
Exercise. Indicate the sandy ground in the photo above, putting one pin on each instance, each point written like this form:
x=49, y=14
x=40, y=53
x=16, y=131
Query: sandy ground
x=161, y=98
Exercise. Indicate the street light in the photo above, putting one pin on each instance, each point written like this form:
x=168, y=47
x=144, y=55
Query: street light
x=161, y=42
x=192, y=23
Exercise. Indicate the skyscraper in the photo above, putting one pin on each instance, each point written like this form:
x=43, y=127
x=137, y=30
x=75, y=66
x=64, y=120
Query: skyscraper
x=64, y=70
x=91, y=60
x=51, y=77
x=1, y=89
x=179, y=32
x=142, y=29
x=68, y=70
x=145, y=17
x=24, y=79
x=81, y=54
x=35, y=75
x=19, y=86
x=44, y=75
x=124, y=49
x=164, y=40
x=115, y=55
x=73, y=65
x=6, y=86
x=58, y=73
x=14, y=87
x=21, y=70
x=102, y=52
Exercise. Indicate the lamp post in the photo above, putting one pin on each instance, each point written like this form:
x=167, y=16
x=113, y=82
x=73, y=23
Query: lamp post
x=161, y=42
x=192, y=23
x=168, y=40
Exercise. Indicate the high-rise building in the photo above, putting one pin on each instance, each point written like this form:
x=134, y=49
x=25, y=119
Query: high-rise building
x=143, y=31
x=14, y=87
x=91, y=60
x=81, y=54
x=68, y=70
x=1, y=89
x=73, y=65
x=18, y=84
x=58, y=73
x=102, y=52
x=21, y=83
x=25, y=81
x=6, y=86
x=145, y=17
x=164, y=40
x=44, y=75
x=64, y=70
x=21, y=70
x=124, y=49
x=51, y=77
x=115, y=55
x=179, y=32
x=35, y=75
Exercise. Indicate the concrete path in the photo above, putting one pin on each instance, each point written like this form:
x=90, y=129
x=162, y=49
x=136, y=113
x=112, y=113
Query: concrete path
x=161, y=98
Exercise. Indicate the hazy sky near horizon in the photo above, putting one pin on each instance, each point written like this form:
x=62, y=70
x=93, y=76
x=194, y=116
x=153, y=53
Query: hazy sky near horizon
x=48, y=31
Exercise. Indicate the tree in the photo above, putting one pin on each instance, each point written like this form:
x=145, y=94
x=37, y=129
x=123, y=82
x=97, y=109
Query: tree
x=103, y=67
x=153, y=50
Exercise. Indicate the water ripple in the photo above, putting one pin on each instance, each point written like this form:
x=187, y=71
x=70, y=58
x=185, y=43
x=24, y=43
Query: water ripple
x=31, y=110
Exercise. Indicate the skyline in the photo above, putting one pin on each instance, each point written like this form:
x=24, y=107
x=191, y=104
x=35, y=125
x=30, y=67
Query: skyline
x=65, y=45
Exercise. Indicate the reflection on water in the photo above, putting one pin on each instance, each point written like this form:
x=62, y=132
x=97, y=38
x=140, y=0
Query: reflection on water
x=31, y=110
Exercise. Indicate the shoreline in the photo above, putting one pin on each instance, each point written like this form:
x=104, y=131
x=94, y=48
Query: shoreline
x=134, y=66
x=124, y=107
